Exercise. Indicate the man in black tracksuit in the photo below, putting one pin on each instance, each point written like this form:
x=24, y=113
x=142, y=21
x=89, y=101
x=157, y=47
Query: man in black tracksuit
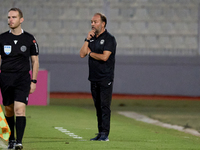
x=100, y=46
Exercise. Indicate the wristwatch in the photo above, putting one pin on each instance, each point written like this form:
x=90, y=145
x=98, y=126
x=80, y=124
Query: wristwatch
x=34, y=81
x=89, y=54
x=87, y=40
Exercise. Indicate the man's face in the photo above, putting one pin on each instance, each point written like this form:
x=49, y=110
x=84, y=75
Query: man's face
x=14, y=20
x=97, y=24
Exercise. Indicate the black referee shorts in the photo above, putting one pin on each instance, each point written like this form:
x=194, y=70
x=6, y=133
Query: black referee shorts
x=15, y=87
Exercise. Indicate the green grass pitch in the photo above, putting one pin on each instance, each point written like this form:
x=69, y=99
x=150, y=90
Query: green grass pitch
x=76, y=118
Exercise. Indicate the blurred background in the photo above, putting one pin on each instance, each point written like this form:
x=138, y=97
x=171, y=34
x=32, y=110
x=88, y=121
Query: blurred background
x=158, y=43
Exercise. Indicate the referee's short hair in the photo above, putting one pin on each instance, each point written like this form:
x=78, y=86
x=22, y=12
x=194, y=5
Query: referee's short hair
x=103, y=17
x=17, y=9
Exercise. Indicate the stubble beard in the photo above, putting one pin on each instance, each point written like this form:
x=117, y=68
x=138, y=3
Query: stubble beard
x=97, y=30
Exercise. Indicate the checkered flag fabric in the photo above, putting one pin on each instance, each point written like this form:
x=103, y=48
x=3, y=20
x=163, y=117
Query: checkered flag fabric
x=4, y=128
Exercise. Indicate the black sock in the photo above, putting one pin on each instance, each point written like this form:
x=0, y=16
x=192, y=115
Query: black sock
x=11, y=123
x=20, y=127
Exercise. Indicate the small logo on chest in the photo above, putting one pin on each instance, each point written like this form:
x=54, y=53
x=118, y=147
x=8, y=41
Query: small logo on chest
x=23, y=48
x=7, y=49
x=102, y=41
x=15, y=41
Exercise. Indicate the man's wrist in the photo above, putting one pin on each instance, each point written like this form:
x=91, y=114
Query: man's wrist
x=86, y=40
x=89, y=54
x=34, y=81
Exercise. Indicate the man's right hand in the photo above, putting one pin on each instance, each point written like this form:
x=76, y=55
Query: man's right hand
x=91, y=34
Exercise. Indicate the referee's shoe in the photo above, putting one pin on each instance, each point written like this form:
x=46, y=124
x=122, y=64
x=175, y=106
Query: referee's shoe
x=11, y=144
x=18, y=146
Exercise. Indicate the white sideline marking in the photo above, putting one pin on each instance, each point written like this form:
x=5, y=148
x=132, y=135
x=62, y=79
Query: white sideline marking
x=2, y=145
x=69, y=133
x=146, y=119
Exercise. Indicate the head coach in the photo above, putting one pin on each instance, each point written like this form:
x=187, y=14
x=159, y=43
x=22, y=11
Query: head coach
x=100, y=46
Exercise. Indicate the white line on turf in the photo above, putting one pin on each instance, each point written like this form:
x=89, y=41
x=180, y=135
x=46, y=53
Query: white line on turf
x=69, y=133
x=2, y=145
x=146, y=119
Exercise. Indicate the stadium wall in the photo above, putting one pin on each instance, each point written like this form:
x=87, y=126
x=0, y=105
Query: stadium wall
x=138, y=75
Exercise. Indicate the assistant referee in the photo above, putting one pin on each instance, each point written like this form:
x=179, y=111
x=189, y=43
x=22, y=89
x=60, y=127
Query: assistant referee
x=17, y=48
x=100, y=46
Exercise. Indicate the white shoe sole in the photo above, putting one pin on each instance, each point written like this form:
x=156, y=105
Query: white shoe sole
x=18, y=147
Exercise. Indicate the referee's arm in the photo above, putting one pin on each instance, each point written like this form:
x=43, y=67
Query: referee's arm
x=35, y=68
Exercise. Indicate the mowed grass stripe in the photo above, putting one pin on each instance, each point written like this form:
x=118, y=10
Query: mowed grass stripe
x=125, y=133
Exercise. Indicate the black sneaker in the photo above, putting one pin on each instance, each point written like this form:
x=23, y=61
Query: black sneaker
x=104, y=137
x=18, y=146
x=11, y=144
x=96, y=138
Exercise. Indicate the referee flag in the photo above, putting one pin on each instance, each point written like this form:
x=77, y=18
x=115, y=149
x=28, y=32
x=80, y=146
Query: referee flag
x=4, y=128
